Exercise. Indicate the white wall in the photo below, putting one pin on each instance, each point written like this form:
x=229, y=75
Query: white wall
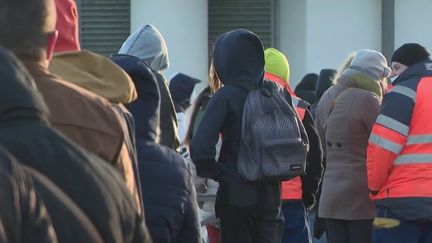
x=412, y=22
x=336, y=28
x=183, y=23
x=291, y=36
x=316, y=34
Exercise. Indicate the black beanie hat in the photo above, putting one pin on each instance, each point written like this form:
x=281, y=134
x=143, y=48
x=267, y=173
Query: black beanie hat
x=409, y=54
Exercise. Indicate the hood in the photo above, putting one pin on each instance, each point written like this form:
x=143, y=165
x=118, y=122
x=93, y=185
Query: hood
x=239, y=57
x=67, y=26
x=94, y=73
x=305, y=90
x=146, y=108
x=181, y=87
x=148, y=44
x=19, y=98
x=308, y=82
x=325, y=81
x=277, y=64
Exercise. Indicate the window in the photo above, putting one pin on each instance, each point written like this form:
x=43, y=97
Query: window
x=255, y=15
x=104, y=24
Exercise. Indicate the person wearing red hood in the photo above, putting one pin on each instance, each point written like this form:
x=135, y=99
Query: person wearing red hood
x=98, y=75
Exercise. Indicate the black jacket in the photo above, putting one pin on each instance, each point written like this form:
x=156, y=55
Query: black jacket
x=69, y=222
x=90, y=182
x=168, y=191
x=238, y=58
x=23, y=216
x=314, y=168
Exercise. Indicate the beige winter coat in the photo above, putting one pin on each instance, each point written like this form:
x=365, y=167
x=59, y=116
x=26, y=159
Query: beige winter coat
x=345, y=115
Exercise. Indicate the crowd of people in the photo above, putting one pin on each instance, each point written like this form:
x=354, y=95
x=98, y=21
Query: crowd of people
x=96, y=149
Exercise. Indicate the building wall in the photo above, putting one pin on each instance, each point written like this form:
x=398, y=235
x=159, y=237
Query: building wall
x=291, y=35
x=412, y=22
x=313, y=34
x=317, y=35
x=183, y=23
x=338, y=28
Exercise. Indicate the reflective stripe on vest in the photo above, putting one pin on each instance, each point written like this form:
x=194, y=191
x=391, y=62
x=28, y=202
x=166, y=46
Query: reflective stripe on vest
x=405, y=91
x=385, y=143
x=419, y=139
x=393, y=124
x=413, y=159
x=301, y=111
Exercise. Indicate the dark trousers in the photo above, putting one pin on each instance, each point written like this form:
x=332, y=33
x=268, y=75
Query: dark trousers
x=245, y=225
x=297, y=225
x=349, y=231
x=391, y=228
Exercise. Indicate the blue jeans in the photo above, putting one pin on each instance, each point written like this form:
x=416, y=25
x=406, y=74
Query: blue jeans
x=398, y=230
x=297, y=225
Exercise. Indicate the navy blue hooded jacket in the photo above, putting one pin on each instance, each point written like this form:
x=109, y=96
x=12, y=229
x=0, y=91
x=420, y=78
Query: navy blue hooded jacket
x=169, y=194
x=238, y=58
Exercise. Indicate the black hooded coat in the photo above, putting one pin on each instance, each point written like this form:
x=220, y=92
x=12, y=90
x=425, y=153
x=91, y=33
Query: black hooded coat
x=91, y=183
x=168, y=191
x=238, y=61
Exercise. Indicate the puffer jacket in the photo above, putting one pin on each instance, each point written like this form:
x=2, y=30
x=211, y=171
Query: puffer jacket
x=93, y=185
x=148, y=44
x=169, y=194
x=23, y=215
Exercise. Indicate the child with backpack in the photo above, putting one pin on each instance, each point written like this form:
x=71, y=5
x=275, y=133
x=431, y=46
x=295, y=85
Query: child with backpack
x=248, y=204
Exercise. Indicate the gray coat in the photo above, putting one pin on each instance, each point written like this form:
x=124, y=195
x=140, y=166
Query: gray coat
x=345, y=115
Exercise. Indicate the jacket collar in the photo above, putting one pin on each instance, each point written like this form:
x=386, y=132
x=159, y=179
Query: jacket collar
x=417, y=70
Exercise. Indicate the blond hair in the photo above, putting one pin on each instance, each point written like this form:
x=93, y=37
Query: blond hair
x=344, y=66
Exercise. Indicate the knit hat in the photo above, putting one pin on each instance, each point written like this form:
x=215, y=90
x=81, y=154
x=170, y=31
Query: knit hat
x=277, y=64
x=409, y=54
x=67, y=25
x=372, y=63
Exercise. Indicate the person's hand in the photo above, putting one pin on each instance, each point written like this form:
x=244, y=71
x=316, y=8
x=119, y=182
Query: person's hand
x=320, y=227
x=309, y=201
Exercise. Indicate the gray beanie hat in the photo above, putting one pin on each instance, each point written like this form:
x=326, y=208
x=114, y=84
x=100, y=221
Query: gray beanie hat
x=371, y=62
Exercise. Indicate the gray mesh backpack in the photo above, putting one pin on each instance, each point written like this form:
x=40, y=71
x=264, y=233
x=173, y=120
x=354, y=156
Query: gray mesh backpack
x=274, y=143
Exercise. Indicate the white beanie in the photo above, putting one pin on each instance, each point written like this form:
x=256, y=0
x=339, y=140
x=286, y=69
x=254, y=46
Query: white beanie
x=371, y=62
